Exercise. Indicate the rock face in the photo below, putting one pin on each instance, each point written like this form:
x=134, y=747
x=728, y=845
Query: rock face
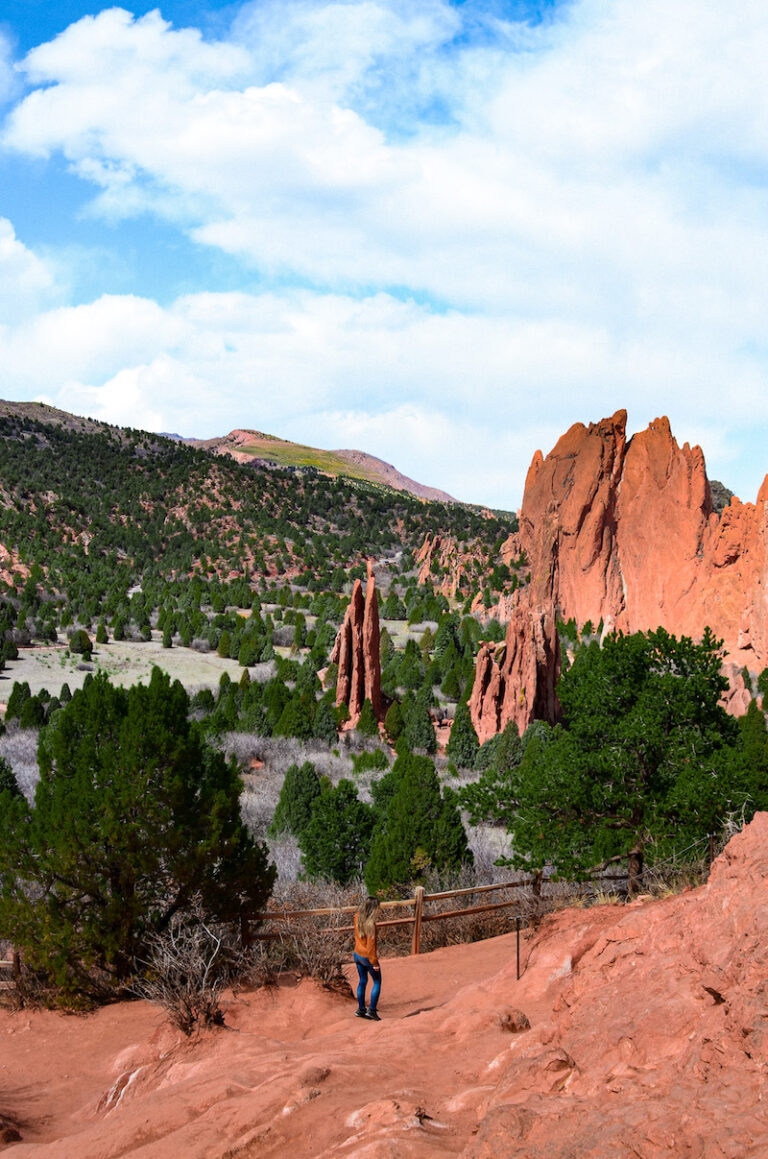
x=625, y=532
x=668, y=999
x=356, y=651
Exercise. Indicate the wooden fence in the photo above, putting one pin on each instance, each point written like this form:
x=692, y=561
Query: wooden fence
x=418, y=904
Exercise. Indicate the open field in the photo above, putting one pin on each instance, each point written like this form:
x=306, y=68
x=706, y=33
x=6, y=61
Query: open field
x=129, y=662
x=125, y=663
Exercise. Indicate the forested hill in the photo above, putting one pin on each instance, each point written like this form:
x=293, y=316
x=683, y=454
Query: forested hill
x=89, y=511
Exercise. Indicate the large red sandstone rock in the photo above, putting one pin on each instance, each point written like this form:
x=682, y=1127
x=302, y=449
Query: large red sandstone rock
x=516, y=681
x=656, y=1044
x=356, y=651
x=624, y=532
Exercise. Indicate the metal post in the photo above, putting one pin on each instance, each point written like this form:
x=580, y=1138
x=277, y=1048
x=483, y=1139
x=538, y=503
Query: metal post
x=418, y=906
x=517, y=931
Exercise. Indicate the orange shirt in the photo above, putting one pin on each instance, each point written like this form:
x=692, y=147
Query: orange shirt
x=366, y=947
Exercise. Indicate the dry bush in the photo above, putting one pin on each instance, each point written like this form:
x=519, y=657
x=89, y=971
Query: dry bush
x=189, y=965
x=316, y=946
x=286, y=855
x=19, y=747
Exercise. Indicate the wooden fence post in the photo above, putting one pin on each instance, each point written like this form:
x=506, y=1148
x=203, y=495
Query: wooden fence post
x=418, y=906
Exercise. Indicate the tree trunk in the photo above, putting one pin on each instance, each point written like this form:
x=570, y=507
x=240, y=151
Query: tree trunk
x=635, y=870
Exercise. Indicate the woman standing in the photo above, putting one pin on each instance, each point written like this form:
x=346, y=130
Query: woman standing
x=366, y=958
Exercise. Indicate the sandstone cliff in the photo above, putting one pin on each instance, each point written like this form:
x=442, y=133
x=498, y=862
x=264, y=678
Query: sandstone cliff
x=624, y=532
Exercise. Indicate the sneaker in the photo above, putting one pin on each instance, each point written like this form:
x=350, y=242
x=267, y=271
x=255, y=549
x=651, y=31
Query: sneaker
x=360, y=1014
x=373, y=1016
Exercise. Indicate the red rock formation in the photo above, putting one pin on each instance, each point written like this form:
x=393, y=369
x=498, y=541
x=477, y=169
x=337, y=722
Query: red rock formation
x=356, y=651
x=625, y=533
x=455, y=564
x=371, y=654
x=516, y=681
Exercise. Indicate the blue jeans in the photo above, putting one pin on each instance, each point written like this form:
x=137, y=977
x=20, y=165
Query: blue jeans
x=364, y=968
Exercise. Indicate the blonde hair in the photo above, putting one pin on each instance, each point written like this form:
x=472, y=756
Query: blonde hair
x=366, y=916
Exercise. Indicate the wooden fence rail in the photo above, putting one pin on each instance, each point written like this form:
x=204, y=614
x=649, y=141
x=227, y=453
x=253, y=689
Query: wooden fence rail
x=417, y=904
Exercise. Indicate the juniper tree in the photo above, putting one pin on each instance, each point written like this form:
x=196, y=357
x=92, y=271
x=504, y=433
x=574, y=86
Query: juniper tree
x=133, y=816
x=641, y=757
x=463, y=743
x=420, y=827
x=336, y=842
x=300, y=789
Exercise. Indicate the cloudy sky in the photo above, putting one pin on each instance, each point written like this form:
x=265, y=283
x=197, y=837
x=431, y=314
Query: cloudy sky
x=440, y=231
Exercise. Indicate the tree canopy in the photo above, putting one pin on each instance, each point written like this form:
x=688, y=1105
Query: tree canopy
x=641, y=757
x=133, y=817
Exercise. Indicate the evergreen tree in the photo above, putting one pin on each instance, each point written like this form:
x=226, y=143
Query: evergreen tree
x=80, y=643
x=20, y=693
x=463, y=743
x=301, y=788
x=393, y=721
x=324, y=724
x=418, y=731
x=8, y=782
x=32, y=713
x=296, y=719
x=367, y=724
x=133, y=815
x=419, y=828
x=641, y=756
x=336, y=842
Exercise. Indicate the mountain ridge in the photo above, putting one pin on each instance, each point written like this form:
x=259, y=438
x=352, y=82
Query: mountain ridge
x=247, y=445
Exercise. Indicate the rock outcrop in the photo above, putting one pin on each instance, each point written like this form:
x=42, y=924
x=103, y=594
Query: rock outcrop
x=624, y=532
x=516, y=680
x=453, y=562
x=356, y=651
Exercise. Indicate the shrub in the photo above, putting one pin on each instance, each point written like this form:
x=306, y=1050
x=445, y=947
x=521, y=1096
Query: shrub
x=80, y=643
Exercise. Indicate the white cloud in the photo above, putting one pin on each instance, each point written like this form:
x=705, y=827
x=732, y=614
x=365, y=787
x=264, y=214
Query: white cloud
x=585, y=202
x=8, y=80
x=26, y=281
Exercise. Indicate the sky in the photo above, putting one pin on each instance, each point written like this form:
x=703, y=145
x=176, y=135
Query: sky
x=439, y=231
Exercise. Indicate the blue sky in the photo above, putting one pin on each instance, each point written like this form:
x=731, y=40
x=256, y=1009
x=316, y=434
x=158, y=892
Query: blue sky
x=439, y=232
